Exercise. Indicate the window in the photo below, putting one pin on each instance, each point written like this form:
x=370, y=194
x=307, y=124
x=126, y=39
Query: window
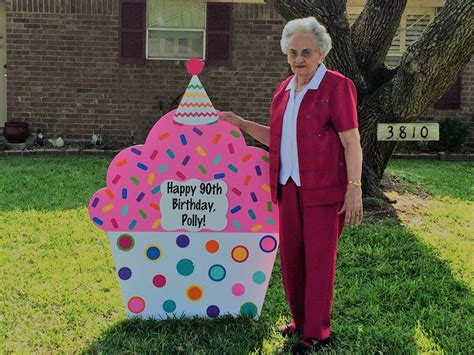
x=175, y=29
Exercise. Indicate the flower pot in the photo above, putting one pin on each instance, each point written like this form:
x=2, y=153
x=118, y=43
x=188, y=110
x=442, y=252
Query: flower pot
x=16, y=132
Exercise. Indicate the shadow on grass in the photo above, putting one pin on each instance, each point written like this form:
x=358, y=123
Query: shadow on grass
x=393, y=294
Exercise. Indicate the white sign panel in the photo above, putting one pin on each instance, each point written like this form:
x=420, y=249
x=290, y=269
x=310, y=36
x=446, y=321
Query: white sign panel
x=408, y=132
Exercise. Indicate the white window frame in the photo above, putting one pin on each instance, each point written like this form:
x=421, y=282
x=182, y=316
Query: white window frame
x=204, y=31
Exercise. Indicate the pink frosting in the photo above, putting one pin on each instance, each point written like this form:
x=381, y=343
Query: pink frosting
x=130, y=202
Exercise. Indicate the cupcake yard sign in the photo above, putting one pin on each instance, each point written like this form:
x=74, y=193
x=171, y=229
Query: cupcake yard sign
x=189, y=216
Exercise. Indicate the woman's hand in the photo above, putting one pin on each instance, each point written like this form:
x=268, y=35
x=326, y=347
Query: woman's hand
x=352, y=206
x=232, y=118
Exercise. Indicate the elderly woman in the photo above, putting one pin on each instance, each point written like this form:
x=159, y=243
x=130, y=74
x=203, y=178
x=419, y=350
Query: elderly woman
x=315, y=172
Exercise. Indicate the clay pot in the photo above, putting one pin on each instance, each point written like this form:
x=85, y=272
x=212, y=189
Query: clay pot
x=16, y=132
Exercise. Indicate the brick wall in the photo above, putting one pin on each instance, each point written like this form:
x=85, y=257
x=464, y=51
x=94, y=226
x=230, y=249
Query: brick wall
x=64, y=76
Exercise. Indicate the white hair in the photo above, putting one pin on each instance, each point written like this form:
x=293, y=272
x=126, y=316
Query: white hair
x=308, y=24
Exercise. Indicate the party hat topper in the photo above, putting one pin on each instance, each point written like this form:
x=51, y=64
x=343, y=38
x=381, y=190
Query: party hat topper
x=195, y=107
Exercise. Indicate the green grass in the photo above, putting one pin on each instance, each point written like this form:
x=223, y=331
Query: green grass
x=395, y=291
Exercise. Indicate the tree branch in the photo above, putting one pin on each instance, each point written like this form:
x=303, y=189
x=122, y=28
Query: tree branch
x=434, y=61
x=373, y=32
x=332, y=14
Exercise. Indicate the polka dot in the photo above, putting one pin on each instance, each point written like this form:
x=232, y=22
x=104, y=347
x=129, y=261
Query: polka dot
x=212, y=246
x=248, y=309
x=182, y=241
x=159, y=281
x=213, y=311
x=259, y=277
x=125, y=242
x=169, y=306
x=238, y=289
x=125, y=273
x=268, y=244
x=153, y=252
x=240, y=254
x=185, y=267
x=194, y=293
x=217, y=272
x=136, y=304
x=194, y=66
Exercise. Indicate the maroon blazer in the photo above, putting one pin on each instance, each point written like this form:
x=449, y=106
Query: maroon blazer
x=323, y=112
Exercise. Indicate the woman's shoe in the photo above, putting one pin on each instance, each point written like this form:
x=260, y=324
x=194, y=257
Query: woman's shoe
x=287, y=330
x=305, y=346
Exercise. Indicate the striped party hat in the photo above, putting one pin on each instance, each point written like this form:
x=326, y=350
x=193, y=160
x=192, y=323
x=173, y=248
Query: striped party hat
x=195, y=107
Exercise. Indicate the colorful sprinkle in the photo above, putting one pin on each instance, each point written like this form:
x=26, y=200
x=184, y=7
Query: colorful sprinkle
x=116, y=179
x=219, y=176
x=135, y=180
x=109, y=193
x=136, y=151
x=266, y=187
x=270, y=221
x=140, y=196
x=159, y=280
x=237, y=225
x=124, y=211
x=181, y=175
x=202, y=169
x=201, y=151
x=156, y=224
x=240, y=253
x=162, y=168
x=197, y=131
x=122, y=162
x=95, y=202
x=154, y=154
x=132, y=224
x=183, y=139
x=265, y=158
x=108, y=208
x=142, y=166
x=258, y=170
x=98, y=221
x=124, y=193
x=269, y=206
x=247, y=180
x=236, y=191
x=232, y=168
x=143, y=214
x=170, y=153
x=114, y=223
x=216, y=160
x=235, y=134
x=256, y=228
x=136, y=304
x=252, y=214
x=231, y=148
x=253, y=196
x=247, y=157
x=155, y=206
x=164, y=136
x=151, y=179
x=217, y=138
x=235, y=209
x=185, y=160
x=156, y=190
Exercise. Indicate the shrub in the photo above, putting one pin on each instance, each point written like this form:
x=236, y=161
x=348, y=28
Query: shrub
x=452, y=136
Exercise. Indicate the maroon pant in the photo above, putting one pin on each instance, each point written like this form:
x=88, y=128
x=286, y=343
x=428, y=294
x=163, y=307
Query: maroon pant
x=308, y=247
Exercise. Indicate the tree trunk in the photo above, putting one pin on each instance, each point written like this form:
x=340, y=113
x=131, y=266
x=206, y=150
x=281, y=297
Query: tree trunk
x=390, y=95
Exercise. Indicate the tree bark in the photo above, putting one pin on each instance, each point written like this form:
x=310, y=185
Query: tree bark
x=387, y=95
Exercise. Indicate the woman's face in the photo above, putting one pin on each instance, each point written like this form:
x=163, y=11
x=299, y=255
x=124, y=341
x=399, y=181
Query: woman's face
x=303, y=54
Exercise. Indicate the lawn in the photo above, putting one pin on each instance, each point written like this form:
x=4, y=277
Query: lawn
x=402, y=286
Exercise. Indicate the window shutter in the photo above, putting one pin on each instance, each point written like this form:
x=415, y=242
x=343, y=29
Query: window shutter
x=451, y=98
x=219, y=34
x=132, y=31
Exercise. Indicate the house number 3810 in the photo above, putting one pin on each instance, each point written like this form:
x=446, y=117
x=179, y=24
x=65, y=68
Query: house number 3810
x=408, y=132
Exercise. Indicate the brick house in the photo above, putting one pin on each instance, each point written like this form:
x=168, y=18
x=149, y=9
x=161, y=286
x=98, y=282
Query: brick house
x=115, y=66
